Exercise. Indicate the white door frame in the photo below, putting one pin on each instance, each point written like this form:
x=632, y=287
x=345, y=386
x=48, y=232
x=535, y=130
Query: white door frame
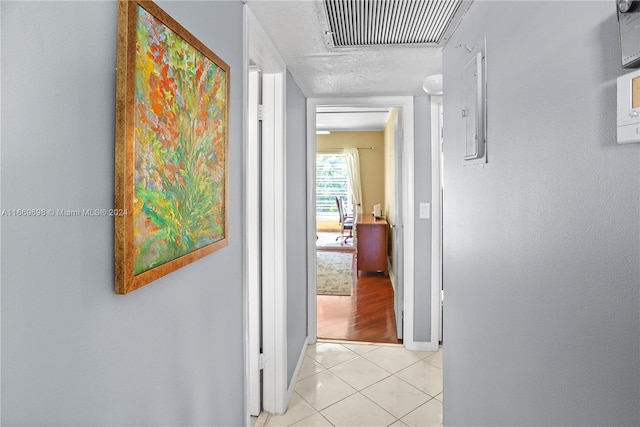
x=259, y=50
x=436, y=221
x=252, y=252
x=408, y=196
x=397, y=280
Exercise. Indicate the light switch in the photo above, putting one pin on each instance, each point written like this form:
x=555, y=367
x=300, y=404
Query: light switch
x=424, y=210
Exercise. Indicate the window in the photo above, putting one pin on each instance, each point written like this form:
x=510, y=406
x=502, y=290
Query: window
x=331, y=182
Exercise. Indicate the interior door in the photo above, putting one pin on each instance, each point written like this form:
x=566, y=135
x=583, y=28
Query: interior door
x=397, y=231
x=254, y=236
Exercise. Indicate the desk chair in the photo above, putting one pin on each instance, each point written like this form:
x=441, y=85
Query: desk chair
x=346, y=223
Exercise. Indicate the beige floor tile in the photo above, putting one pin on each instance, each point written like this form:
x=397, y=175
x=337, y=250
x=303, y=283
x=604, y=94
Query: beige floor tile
x=423, y=376
x=435, y=360
x=392, y=359
x=331, y=373
x=330, y=354
x=309, y=367
x=315, y=420
x=357, y=410
x=423, y=354
x=323, y=389
x=396, y=396
x=429, y=414
x=361, y=348
x=359, y=373
x=298, y=410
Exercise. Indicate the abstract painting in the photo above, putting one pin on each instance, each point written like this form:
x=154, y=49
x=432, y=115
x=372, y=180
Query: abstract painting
x=171, y=147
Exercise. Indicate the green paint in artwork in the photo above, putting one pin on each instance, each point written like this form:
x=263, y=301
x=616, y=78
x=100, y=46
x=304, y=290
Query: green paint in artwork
x=180, y=146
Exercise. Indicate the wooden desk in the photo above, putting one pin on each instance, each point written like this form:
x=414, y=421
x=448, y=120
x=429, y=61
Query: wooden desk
x=371, y=243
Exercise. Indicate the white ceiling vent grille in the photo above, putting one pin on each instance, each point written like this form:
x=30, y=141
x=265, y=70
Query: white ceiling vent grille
x=388, y=22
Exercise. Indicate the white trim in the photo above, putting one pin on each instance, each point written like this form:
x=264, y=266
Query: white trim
x=436, y=244
x=423, y=346
x=263, y=53
x=312, y=309
x=296, y=372
x=408, y=232
x=274, y=337
x=398, y=234
x=0, y=252
x=250, y=291
x=251, y=249
x=392, y=274
x=262, y=50
x=405, y=102
x=436, y=219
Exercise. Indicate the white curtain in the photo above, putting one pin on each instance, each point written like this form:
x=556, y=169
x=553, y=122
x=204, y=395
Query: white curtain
x=353, y=168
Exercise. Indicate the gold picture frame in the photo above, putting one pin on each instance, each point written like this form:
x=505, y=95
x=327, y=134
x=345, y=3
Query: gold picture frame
x=172, y=144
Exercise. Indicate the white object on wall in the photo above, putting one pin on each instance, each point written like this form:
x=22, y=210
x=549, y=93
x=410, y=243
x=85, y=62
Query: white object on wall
x=629, y=108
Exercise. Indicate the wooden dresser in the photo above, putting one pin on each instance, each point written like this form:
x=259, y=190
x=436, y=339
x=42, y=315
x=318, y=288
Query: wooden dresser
x=371, y=243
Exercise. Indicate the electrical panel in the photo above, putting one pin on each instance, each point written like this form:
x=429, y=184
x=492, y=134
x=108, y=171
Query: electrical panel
x=629, y=21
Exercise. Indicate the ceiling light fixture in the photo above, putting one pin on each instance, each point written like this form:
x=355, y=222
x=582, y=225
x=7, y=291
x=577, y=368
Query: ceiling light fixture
x=322, y=132
x=432, y=84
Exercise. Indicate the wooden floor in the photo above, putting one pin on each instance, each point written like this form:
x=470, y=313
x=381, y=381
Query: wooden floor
x=366, y=315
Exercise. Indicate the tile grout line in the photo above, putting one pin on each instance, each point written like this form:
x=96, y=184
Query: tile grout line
x=360, y=392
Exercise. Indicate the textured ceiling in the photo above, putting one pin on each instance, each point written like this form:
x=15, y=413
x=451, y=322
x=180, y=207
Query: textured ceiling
x=298, y=29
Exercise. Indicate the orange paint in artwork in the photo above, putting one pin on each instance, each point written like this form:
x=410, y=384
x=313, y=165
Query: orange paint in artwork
x=181, y=117
x=157, y=108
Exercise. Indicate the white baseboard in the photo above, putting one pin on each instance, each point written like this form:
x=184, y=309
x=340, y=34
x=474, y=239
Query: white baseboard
x=296, y=372
x=392, y=275
x=421, y=345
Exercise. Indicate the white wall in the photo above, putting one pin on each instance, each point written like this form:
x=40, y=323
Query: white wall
x=542, y=244
x=73, y=352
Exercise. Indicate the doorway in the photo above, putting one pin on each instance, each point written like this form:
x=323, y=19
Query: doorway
x=402, y=306
x=355, y=171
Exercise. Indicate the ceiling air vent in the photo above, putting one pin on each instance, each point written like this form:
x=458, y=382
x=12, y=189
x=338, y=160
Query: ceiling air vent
x=388, y=22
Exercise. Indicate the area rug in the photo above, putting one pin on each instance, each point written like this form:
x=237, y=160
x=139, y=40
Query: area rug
x=335, y=273
x=331, y=241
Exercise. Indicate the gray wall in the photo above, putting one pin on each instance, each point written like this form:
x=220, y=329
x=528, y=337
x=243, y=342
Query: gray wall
x=73, y=352
x=422, y=243
x=296, y=193
x=542, y=244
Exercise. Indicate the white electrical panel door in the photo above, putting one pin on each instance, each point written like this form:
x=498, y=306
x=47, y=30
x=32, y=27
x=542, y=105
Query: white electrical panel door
x=473, y=110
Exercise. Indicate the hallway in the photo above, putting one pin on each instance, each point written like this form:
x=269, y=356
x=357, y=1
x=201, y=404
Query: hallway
x=364, y=385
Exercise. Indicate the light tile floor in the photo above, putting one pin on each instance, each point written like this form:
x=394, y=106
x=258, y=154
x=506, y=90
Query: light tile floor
x=365, y=385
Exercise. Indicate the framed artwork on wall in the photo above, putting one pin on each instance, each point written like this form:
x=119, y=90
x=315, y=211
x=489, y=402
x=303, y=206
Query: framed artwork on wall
x=171, y=160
